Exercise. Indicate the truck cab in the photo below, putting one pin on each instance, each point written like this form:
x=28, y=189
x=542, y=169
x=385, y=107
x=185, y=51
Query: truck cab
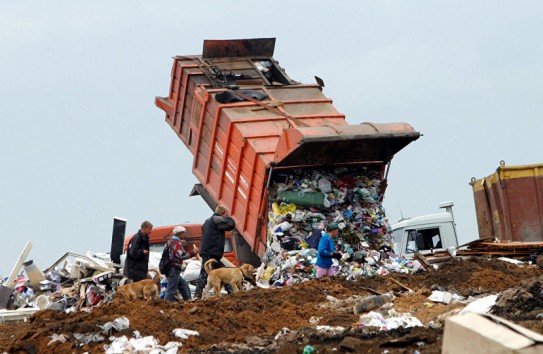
x=425, y=233
x=160, y=235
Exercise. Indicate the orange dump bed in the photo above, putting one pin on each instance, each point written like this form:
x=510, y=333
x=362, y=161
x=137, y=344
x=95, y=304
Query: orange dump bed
x=243, y=117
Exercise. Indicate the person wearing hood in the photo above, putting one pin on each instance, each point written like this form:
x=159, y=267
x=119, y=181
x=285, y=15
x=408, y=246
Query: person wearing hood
x=176, y=256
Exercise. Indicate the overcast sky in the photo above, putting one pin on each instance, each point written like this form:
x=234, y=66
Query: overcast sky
x=82, y=140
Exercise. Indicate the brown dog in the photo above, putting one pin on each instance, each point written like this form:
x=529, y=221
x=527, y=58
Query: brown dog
x=146, y=288
x=217, y=278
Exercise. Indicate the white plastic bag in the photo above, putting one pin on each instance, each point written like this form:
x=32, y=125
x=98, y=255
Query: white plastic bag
x=184, y=333
x=325, y=185
x=192, y=271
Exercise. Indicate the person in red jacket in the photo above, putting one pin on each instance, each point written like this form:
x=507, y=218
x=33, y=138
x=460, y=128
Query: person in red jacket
x=177, y=255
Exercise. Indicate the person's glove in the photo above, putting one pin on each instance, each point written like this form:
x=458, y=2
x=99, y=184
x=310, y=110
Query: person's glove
x=336, y=255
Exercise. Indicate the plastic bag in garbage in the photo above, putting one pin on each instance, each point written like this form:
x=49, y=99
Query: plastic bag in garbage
x=325, y=185
x=184, y=333
x=117, y=324
x=192, y=270
x=375, y=319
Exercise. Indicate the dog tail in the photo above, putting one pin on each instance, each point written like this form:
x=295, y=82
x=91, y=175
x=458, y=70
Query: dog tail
x=157, y=276
x=207, y=265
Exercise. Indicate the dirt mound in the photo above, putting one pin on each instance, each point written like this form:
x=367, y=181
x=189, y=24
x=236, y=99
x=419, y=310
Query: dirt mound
x=249, y=321
x=472, y=276
x=522, y=303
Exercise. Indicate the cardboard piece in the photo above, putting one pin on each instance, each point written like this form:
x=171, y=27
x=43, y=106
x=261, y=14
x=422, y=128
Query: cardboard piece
x=441, y=296
x=475, y=333
x=5, y=294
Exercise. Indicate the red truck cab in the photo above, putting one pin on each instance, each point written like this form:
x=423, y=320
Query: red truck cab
x=160, y=235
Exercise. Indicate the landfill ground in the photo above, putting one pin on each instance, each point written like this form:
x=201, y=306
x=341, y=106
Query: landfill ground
x=250, y=321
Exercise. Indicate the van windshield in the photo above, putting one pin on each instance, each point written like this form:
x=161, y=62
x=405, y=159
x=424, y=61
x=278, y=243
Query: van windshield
x=423, y=239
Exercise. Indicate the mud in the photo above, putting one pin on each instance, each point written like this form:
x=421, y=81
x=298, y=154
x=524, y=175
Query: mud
x=522, y=303
x=249, y=321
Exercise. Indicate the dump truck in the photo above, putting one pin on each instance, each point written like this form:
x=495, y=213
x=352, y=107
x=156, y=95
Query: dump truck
x=246, y=122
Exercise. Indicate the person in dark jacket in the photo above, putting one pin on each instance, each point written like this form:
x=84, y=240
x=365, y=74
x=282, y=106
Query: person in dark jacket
x=177, y=255
x=212, y=246
x=137, y=256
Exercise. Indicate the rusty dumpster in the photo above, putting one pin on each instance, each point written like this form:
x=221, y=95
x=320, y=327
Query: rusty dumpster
x=509, y=203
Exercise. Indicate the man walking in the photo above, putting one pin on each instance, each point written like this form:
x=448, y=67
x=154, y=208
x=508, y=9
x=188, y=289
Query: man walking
x=212, y=246
x=137, y=256
x=177, y=254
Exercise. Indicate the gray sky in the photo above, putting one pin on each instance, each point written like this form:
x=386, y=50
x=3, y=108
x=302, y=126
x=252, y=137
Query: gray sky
x=82, y=140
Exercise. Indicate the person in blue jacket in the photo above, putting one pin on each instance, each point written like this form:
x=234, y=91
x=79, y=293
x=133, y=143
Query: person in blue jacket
x=327, y=251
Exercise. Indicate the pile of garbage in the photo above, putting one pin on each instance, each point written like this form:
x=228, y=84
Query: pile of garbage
x=371, y=314
x=305, y=201
x=73, y=283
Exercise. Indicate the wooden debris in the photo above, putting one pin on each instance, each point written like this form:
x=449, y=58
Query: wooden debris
x=476, y=241
x=82, y=296
x=271, y=104
x=424, y=261
x=401, y=285
x=371, y=291
x=489, y=246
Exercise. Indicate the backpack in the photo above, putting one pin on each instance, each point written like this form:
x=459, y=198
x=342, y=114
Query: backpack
x=164, y=266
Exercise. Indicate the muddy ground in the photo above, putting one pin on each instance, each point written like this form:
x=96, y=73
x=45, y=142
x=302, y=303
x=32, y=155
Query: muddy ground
x=249, y=321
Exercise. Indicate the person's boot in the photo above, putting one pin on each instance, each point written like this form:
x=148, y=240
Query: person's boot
x=198, y=293
x=229, y=289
